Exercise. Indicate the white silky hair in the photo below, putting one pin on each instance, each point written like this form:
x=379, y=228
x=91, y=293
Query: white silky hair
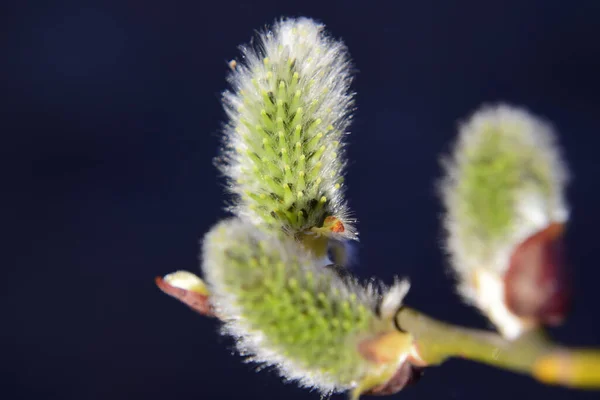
x=533, y=210
x=252, y=342
x=324, y=70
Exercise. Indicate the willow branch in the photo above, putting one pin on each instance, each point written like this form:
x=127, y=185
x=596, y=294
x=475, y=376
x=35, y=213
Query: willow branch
x=533, y=354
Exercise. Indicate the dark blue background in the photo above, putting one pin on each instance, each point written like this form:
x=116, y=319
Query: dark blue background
x=110, y=123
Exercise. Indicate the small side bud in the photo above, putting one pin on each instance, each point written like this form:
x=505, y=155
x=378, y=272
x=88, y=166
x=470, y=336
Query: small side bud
x=536, y=282
x=187, y=288
x=406, y=375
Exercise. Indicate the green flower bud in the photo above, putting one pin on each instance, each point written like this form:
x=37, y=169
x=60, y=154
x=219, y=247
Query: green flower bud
x=288, y=109
x=316, y=327
x=504, y=183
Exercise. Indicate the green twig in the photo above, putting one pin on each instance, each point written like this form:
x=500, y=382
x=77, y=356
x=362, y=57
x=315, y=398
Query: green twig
x=532, y=354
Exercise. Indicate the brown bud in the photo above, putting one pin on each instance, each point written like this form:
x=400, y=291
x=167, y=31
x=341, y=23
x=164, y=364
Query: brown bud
x=334, y=224
x=196, y=301
x=536, y=282
x=407, y=374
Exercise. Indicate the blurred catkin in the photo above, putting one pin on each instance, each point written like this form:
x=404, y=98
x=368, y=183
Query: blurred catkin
x=504, y=183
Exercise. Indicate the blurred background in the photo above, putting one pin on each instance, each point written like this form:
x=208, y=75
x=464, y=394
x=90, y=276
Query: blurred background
x=110, y=123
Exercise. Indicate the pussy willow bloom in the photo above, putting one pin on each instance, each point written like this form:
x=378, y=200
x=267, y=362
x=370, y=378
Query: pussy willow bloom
x=289, y=107
x=505, y=210
x=314, y=326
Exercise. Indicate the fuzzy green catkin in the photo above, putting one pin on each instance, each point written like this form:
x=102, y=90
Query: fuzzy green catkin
x=504, y=181
x=288, y=108
x=285, y=312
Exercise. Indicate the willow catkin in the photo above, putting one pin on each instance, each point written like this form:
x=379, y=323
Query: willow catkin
x=289, y=107
x=504, y=183
x=303, y=319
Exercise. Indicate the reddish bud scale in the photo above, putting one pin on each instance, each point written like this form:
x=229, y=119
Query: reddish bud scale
x=334, y=224
x=407, y=374
x=383, y=349
x=195, y=301
x=536, y=282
